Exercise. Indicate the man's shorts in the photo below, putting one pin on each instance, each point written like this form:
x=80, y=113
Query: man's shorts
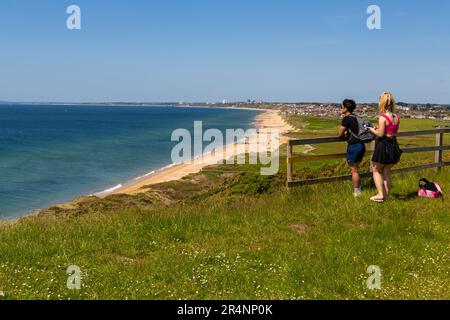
x=355, y=153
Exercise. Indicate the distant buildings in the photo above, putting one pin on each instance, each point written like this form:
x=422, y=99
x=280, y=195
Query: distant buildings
x=416, y=111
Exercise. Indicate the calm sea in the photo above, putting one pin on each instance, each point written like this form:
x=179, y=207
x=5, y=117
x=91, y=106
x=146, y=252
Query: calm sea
x=52, y=154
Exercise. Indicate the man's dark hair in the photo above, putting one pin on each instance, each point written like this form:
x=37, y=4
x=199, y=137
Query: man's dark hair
x=350, y=105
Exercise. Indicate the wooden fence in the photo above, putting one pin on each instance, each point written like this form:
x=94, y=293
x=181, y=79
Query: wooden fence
x=437, y=164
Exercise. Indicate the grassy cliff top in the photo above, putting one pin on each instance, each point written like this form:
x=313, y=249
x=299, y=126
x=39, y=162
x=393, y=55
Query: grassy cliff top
x=228, y=233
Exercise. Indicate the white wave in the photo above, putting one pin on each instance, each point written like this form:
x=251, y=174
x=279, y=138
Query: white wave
x=145, y=175
x=110, y=190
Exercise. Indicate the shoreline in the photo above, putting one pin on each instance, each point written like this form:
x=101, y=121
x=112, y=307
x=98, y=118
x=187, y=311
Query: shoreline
x=267, y=119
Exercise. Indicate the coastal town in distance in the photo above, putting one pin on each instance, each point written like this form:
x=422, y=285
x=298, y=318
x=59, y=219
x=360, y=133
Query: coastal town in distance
x=439, y=112
x=406, y=110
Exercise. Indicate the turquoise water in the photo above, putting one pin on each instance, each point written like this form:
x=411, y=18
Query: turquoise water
x=51, y=154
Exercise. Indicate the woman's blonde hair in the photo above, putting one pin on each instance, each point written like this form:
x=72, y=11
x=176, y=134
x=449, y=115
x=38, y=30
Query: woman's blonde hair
x=387, y=103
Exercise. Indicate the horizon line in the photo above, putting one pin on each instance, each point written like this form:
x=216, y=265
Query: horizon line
x=202, y=102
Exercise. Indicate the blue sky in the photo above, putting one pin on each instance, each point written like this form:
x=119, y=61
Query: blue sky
x=208, y=50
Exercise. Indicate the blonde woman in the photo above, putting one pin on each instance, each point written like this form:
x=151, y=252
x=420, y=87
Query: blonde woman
x=387, y=152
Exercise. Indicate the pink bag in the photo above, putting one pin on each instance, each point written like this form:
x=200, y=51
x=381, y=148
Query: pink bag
x=429, y=189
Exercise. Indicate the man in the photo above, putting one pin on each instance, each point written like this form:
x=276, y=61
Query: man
x=355, y=149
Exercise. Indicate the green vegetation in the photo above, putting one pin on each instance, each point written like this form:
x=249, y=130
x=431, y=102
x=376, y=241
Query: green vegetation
x=228, y=233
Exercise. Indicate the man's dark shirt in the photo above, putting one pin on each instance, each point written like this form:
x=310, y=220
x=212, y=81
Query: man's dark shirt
x=351, y=124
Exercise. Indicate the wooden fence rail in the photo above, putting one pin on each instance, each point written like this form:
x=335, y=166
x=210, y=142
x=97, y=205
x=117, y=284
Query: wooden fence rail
x=438, y=149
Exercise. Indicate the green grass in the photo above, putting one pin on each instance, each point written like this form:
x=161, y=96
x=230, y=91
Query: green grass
x=239, y=236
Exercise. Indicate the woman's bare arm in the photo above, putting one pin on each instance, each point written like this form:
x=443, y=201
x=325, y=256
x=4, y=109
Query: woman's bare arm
x=380, y=130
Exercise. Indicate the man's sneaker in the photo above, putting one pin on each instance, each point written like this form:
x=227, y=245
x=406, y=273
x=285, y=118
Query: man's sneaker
x=356, y=194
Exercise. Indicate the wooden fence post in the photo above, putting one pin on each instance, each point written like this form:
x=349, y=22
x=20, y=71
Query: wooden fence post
x=289, y=162
x=438, y=153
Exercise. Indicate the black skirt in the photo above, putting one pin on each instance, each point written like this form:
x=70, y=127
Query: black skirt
x=387, y=151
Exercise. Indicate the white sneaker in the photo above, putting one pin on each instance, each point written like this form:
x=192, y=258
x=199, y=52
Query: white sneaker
x=356, y=194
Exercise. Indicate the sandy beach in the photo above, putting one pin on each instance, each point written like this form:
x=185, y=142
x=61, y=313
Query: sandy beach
x=268, y=119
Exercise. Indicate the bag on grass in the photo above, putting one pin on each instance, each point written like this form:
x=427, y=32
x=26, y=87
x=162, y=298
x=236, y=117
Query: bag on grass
x=429, y=189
